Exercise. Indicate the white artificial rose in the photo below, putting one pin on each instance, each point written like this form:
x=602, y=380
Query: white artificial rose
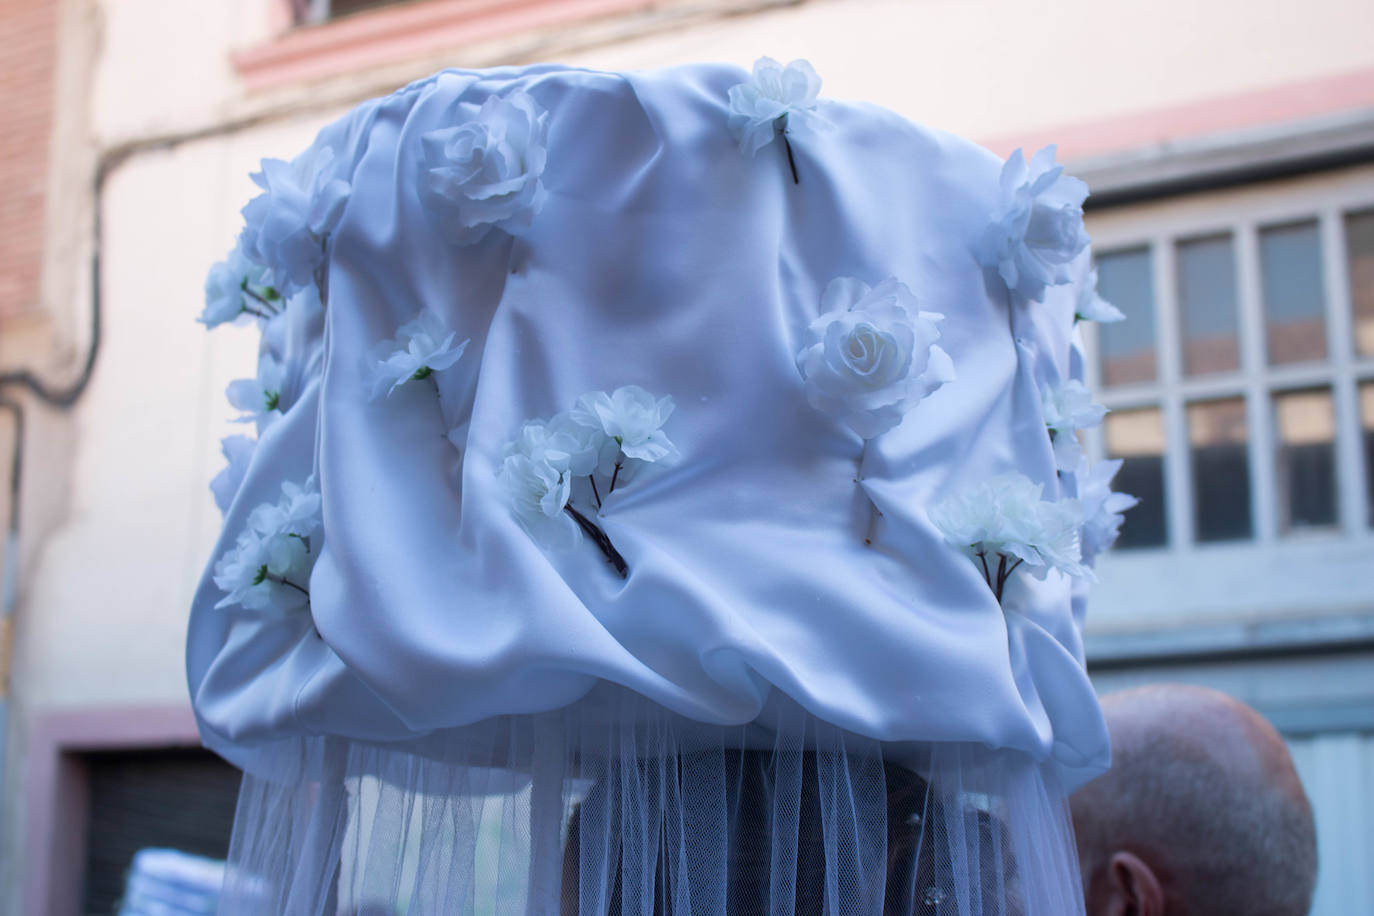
x=1102, y=509
x=632, y=418
x=259, y=398
x=1067, y=408
x=286, y=227
x=295, y=514
x=423, y=345
x=1037, y=229
x=238, y=452
x=538, y=494
x=1092, y=307
x=775, y=98
x=871, y=356
x=486, y=173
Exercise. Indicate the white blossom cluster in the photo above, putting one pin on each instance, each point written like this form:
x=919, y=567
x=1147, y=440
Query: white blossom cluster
x=1069, y=407
x=1091, y=306
x=270, y=563
x=774, y=100
x=1002, y=523
x=423, y=346
x=601, y=442
x=1102, y=508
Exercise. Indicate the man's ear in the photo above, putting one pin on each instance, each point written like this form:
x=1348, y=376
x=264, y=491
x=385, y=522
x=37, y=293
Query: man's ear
x=1135, y=889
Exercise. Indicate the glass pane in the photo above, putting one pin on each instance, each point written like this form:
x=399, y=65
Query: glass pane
x=1221, y=470
x=1125, y=279
x=1138, y=437
x=1306, y=466
x=1207, y=305
x=1359, y=245
x=1367, y=429
x=1294, y=296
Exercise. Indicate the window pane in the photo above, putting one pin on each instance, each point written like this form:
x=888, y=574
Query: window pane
x=1294, y=296
x=1207, y=305
x=1359, y=242
x=1306, y=465
x=1367, y=426
x=1124, y=278
x=1221, y=471
x=1138, y=437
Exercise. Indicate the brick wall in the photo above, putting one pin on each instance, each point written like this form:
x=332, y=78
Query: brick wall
x=28, y=59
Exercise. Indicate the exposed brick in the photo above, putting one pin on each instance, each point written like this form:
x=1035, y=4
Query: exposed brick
x=27, y=64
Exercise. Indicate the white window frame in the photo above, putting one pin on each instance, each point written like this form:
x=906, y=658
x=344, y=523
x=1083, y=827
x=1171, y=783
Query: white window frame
x=1271, y=574
x=1159, y=227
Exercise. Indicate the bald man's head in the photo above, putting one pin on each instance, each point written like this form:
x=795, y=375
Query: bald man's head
x=1202, y=800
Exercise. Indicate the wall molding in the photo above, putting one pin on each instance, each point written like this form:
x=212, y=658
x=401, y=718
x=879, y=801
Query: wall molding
x=57, y=791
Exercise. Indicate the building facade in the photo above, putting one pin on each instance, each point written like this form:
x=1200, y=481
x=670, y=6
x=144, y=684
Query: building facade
x=1230, y=147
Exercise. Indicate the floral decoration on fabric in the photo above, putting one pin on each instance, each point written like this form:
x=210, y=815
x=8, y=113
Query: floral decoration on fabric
x=238, y=452
x=771, y=103
x=286, y=228
x=237, y=289
x=1037, y=229
x=1067, y=408
x=1102, y=508
x=485, y=174
x=1003, y=524
x=423, y=346
x=1092, y=307
x=271, y=562
x=581, y=454
x=871, y=355
x=259, y=398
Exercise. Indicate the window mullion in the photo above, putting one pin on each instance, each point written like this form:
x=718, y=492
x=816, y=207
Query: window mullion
x=1258, y=412
x=1344, y=394
x=1178, y=480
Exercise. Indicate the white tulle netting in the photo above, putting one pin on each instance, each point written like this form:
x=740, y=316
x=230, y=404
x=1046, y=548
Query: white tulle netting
x=570, y=813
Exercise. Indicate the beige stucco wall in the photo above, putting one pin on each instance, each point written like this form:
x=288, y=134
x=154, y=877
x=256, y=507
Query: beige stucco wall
x=113, y=561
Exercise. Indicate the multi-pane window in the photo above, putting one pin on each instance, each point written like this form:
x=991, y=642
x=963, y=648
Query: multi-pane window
x=313, y=11
x=1242, y=382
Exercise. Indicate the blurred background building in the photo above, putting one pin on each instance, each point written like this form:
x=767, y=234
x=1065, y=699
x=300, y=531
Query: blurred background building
x=1230, y=146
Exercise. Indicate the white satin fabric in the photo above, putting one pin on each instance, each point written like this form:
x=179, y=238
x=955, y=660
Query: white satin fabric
x=666, y=259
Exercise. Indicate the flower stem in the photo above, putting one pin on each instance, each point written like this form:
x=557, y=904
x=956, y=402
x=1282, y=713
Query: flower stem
x=791, y=162
x=1001, y=576
x=987, y=576
x=280, y=580
x=257, y=314
x=261, y=299
x=614, y=475
x=599, y=538
x=595, y=492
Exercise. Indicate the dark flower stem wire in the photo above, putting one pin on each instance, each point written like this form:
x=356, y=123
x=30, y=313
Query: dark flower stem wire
x=1003, y=573
x=599, y=538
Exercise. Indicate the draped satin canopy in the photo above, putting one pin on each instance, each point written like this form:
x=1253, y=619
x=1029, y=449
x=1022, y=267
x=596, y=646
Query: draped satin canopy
x=662, y=257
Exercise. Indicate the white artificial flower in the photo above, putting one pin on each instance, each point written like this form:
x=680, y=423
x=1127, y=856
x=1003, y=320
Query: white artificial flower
x=238, y=451
x=295, y=514
x=1005, y=515
x=486, y=173
x=1067, y=408
x=588, y=447
x=565, y=445
x=422, y=347
x=871, y=356
x=1037, y=229
x=775, y=98
x=633, y=418
x=286, y=226
x=258, y=397
x=1092, y=307
x=1101, y=507
x=271, y=562
x=237, y=289
x=538, y=494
